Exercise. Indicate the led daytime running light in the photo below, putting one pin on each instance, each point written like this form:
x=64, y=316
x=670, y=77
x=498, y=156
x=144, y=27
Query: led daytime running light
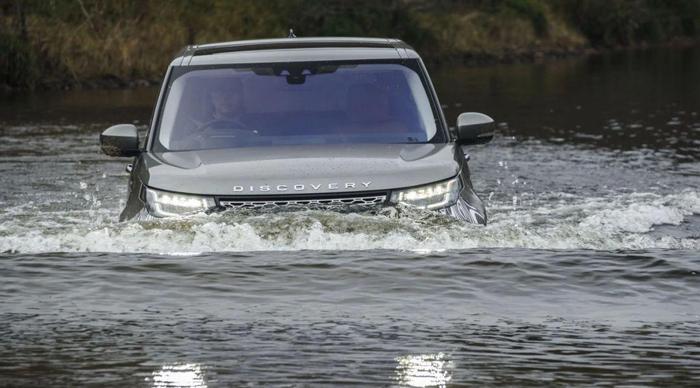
x=433, y=196
x=164, y=204
x=181, y=201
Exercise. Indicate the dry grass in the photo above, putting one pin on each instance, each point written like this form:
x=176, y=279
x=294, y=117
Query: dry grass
x=77, y=40
x=478, y=33
x=136, y=46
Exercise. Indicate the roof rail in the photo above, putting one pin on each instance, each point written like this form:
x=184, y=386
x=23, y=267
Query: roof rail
x=285, y=43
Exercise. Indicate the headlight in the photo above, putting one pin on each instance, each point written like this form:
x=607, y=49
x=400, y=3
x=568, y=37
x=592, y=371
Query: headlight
x=433, y=196
x=164, y=204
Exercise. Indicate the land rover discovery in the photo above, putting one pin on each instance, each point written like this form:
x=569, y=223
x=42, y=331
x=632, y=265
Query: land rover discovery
x=342, y=123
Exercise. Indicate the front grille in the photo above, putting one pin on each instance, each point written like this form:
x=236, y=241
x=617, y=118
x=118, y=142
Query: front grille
x=306, y=202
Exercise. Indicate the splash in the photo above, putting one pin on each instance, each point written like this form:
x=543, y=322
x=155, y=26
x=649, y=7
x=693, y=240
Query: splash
x=550, y=221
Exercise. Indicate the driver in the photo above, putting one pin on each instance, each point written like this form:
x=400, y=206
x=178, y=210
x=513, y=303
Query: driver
x=226, y=101
x=223, y=104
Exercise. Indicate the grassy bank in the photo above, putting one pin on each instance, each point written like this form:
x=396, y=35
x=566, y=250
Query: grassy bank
x=59, y=43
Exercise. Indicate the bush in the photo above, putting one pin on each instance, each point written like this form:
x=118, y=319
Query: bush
x=624, y=22
x=534, y=11
x=17, y=64
x=74, y=41
x=386, y=18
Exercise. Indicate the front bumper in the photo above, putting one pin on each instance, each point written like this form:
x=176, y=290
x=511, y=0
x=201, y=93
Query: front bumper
x=467, y=207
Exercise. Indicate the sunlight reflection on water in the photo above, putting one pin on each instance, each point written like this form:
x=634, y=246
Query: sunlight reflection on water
x=178, y=375
x=424, y=370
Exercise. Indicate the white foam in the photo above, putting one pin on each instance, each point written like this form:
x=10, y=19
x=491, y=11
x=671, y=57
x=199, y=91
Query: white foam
x=620, y=222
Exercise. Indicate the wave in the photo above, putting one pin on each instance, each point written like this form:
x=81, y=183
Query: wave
x=549, y=221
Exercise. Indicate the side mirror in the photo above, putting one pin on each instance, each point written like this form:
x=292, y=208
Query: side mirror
x=474, y=128
x=120, y=140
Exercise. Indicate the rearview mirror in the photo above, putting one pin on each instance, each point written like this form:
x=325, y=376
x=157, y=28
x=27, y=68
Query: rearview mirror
x=474, y=128
x=120, y=140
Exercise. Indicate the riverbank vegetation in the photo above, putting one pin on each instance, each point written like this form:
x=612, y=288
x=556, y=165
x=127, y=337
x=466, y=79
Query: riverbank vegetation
x=101, y=43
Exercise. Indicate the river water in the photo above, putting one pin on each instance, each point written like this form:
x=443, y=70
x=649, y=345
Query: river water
x=587, y=274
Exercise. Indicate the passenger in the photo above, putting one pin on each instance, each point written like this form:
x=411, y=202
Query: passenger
x=369, y=110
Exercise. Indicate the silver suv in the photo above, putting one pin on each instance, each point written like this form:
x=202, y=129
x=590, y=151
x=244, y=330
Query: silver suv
x=351, y=124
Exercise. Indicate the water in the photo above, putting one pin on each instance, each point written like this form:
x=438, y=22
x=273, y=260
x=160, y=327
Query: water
x=586, y=274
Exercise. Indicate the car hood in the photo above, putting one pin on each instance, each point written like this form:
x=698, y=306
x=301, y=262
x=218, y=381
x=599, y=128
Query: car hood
x=299, y=169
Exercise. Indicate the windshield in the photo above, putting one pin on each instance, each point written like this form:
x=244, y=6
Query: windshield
x=295, y=104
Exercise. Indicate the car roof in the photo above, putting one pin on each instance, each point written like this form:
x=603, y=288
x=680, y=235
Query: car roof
x=294, y=50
